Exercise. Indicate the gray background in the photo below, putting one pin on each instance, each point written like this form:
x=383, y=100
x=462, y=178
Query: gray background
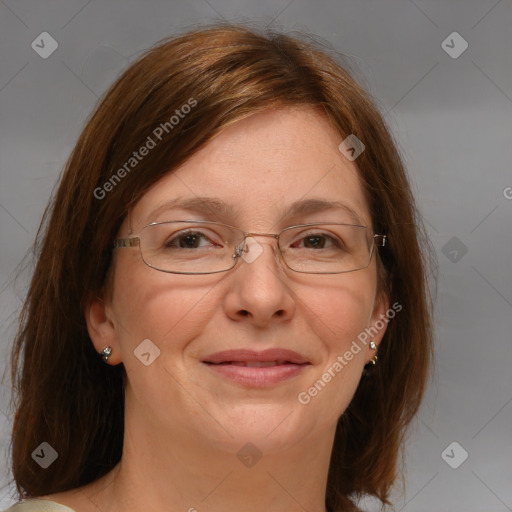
x=452, y=118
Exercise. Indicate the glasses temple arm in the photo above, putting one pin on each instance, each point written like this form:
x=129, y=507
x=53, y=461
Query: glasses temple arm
x=380, y=240
x=126, y=242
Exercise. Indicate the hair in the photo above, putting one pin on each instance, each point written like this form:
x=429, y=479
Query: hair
x=64, y=394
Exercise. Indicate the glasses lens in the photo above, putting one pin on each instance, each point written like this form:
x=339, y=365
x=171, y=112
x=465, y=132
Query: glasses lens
x=189, y=247
x=207, y=247
x=326, y=248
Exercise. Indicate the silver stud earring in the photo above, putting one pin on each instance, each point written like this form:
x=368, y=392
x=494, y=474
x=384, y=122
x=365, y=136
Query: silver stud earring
x=105, y=353
x=372, y=345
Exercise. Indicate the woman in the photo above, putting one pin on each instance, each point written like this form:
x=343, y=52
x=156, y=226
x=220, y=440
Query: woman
x=230, y=306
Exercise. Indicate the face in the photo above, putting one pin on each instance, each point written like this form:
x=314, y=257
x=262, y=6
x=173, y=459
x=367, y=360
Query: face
x=258, y=167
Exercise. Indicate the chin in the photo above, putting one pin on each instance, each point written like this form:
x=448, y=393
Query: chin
x=272, y=428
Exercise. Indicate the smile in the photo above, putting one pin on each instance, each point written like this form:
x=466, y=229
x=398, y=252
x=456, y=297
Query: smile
x=256, y=364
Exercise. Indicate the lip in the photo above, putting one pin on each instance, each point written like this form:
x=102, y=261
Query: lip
x=246, y=355
x=277, y=365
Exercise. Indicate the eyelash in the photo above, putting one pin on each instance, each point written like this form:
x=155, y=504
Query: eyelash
x=171, y=242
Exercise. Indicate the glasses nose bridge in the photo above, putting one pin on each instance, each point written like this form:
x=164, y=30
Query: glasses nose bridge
x=271, y=235
x=246, y=235
x=275, y=236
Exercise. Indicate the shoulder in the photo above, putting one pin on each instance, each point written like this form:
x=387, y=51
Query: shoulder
x=37, y=505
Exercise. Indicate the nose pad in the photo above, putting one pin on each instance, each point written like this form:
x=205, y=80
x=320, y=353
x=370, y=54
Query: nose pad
x=250, y=250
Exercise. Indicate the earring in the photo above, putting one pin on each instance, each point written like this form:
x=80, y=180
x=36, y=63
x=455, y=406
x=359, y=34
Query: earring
x=367, y=372
x=373, y=346
x=105, y=353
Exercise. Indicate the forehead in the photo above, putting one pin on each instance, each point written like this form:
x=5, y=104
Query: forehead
x=261, y=169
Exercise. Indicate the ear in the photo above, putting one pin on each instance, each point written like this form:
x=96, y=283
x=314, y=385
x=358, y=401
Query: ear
x=378, y=323
x=101, y=328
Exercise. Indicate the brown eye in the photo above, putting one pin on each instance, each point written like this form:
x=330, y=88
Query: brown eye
x=318, y=241
x=189, y=240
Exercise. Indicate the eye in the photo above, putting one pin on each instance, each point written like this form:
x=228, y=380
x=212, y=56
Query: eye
x=318, y=241
x=190, y=239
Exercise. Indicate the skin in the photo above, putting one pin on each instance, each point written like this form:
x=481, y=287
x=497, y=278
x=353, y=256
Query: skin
x=184, y=423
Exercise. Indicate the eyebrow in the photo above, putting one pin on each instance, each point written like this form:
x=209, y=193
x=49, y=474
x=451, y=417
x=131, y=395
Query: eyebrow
x=213, y=206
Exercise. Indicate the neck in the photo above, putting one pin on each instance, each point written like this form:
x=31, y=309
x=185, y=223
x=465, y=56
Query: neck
x=158, y=473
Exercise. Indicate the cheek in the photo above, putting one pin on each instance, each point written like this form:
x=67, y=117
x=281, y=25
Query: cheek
x=340, y=314
x=169, y=310
x=341, y=309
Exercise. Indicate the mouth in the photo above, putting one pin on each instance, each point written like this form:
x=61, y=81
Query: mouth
x=255, y=364
x=253, y=358
x=257, y=369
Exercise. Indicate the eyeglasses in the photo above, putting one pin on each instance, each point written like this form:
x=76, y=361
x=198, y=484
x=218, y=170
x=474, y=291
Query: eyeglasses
x=207, y=247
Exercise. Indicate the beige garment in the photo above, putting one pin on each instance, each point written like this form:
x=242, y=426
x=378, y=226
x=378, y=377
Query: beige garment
x=39, y=506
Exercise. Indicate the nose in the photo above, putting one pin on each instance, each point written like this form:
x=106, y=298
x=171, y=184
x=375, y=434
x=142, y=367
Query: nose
x=260, y=293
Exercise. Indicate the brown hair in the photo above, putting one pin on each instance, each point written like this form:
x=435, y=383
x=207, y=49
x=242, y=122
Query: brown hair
x=64, y=394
